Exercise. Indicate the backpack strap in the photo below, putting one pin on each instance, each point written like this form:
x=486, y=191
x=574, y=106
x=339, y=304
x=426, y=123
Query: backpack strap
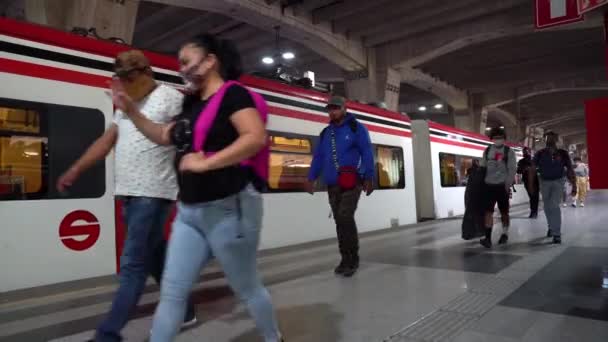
x=259, y=162
x=207, y=117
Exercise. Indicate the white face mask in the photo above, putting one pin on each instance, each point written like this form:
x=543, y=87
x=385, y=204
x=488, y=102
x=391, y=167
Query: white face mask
x=499, y=142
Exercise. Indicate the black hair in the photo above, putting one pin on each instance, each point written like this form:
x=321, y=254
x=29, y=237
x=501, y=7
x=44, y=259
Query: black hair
x=228, y=56
x=497, y=132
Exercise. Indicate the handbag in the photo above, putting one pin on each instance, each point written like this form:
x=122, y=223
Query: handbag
x=348, y=177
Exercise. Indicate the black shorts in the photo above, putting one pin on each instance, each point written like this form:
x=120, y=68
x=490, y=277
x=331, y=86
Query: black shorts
x=496, y=193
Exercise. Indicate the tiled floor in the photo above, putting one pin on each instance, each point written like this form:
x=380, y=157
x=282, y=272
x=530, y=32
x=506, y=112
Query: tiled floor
x=422, y=283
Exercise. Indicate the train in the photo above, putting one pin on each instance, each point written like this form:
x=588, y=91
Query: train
x=54, y=103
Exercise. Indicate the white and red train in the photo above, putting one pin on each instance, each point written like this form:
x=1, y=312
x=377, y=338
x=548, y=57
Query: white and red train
x=53, y=104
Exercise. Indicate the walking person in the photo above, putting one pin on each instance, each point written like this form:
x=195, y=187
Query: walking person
x=144, y=180
x=582, y=181
x=345, y=159
x=553, y=165
x=220, y=206
x=523, y=168
x=501, y=166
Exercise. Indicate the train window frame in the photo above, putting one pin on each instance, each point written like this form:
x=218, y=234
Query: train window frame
x=61, y=148
x=291, y=135
x=457, y=185
x=400, y=185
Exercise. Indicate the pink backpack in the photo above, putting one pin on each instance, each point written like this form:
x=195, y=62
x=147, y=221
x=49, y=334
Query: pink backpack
x=258, y=162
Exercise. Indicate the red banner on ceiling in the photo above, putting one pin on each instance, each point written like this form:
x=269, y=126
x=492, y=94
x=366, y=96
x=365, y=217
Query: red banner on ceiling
x=584, y=6
x=551, y=13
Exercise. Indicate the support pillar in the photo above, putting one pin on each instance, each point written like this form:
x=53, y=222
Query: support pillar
x=375, y=84
x=111, y=18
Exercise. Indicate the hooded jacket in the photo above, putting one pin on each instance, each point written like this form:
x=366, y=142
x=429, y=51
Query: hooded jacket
x=353, y=149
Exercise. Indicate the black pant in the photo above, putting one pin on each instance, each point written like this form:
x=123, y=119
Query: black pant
x=534, y=197
x=343, y=205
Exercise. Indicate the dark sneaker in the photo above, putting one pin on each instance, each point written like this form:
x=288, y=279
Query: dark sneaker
x=341, y=267
x=549, y=233
x=349, y=271
x=533, y=215
x=486, y=243
x=557, y=240
x=504, y=238
x=189, y=322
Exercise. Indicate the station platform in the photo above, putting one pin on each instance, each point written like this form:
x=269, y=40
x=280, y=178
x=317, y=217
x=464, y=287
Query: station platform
x=416, y=283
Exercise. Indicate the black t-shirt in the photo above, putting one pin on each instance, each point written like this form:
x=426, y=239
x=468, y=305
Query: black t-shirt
x=220, y=183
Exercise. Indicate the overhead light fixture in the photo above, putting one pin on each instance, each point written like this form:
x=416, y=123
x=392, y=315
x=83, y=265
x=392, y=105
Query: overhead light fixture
x=438, y=106
x=502, y=127
x=288, y=55
x=422, y=108
x=488, y=128
x=268, y=60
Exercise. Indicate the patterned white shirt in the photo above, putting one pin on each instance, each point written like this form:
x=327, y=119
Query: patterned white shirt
x=144, y=168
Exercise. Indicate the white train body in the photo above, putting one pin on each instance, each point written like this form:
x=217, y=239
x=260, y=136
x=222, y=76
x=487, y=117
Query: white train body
x=53, y=104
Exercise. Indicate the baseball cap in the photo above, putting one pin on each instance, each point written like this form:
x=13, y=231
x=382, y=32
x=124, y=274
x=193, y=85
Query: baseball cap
x=337, y=101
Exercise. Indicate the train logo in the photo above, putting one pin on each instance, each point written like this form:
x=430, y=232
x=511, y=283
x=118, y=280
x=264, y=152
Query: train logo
x=69, y=229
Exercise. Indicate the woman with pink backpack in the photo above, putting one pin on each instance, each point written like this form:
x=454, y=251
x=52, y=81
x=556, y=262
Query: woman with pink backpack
x=222, y=159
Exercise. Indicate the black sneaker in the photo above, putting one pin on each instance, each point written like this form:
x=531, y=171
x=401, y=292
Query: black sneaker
x=349, y=271
x=549, y=233
x=533, y=215
x=557, y=240
x=341, y=267
x=486, y=243
x=503, y=239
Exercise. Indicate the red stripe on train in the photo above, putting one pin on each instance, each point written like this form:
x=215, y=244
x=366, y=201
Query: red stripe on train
x=457, y=143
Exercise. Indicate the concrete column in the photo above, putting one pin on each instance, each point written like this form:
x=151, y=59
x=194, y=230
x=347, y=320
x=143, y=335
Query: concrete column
x=111, y=18
x=375, y=84
x=463, y=119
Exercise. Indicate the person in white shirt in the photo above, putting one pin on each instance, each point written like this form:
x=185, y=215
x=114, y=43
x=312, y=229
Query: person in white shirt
x=145, y=181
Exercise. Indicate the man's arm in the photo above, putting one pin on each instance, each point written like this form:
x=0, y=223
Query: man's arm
x=569, y=171
x=96, y=152
x=317, y=161
x=511, y=168
x=367, y=153
x=156, y=132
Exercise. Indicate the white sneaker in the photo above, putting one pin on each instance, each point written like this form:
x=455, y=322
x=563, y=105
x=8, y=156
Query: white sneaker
x=565, y=205
x=582, y=204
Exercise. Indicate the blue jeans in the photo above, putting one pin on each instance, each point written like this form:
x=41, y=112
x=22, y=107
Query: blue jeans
x=552, y=191
x=143, y=254
x=228, y=229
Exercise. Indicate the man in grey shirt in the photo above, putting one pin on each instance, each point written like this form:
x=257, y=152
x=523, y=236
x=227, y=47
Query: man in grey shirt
x=500, y=165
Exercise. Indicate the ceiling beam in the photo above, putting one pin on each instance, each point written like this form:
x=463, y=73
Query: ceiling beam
x=408, y=22
x=458, y=15
x=309, y=5
x=559, y=119
x=151, y=22
x=349, y=54
x=179, y=31
x=342, y=9
x=395, y=10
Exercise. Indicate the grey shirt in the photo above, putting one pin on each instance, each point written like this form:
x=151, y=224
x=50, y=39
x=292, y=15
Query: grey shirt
x=581, y=170
x=499, y=172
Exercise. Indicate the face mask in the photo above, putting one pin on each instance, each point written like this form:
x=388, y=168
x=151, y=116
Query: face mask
x=499, y=142
x=192, y=78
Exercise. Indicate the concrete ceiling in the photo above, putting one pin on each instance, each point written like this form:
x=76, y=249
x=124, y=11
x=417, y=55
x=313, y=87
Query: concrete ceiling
x=476, y=49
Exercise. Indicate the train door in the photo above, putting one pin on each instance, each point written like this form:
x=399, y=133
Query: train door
x=51, y=237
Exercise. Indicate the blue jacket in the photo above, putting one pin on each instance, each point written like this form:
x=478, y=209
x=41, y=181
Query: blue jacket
x=352, y=148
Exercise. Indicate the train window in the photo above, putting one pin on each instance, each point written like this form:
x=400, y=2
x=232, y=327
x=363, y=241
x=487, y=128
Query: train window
x=389, y=167
x=38, y=142
x=290, y=159
x=454, y=169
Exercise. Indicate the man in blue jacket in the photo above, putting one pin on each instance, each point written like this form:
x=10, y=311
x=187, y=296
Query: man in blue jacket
x=345, y=159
